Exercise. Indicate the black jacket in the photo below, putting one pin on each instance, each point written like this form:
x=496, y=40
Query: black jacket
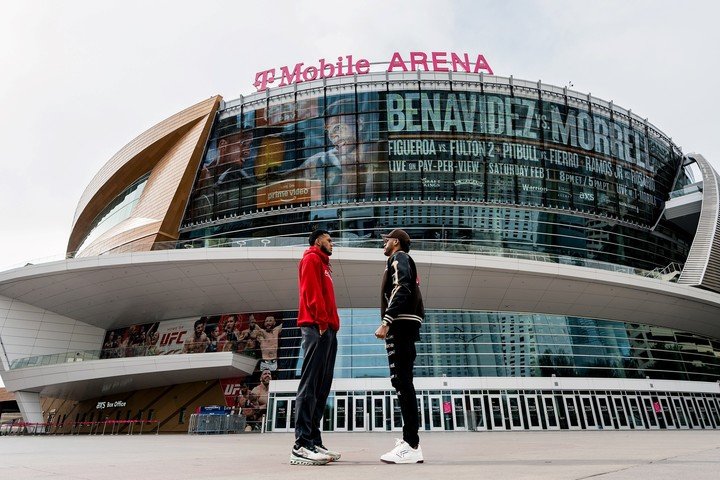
x=401, y=304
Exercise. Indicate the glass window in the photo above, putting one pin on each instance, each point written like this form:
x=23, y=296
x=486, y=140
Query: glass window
x=117, y=211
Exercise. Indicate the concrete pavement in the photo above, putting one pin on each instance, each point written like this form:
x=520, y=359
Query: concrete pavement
x=607, y=455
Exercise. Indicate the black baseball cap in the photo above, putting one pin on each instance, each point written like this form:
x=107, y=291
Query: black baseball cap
x=399, y=234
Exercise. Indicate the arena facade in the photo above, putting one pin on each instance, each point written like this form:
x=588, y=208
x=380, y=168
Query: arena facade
x=568, y=253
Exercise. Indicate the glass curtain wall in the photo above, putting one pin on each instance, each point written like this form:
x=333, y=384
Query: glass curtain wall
x=478, y=165
x=498, y=344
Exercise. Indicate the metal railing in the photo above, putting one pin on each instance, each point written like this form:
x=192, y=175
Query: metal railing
x=111, y=427
x=687, y=190
x=447, y=245
x=217, y=424
x=86, y=355
x=104, y=354
x=669, y=273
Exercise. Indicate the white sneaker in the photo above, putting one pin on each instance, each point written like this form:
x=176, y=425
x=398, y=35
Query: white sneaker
x=334, y=456
x=403, y=453
x=307, y=456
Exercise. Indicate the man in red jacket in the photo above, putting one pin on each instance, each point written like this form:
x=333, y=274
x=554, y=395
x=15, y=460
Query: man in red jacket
x=319, y=322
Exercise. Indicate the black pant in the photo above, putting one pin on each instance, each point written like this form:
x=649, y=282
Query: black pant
x=401, y=356
x=315, y=379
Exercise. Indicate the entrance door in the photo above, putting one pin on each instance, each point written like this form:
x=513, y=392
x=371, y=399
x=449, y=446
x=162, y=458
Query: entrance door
x=514, y=413
x=636, y=413
x=437, y=416
x=703, y=412
x=589, y=413
x=572, y=413
x=477, y=413
x=714, y=411
x=284, y=415
x=647, y=407
x=359, y=414
x=396, y=414
x=533, y=407
x=497, y=412
x=667, y=412
x=621, y=414
x=692, y=412
x=605, y=417
x=340, y=414
x=459, y=412
x=679, y=410
x=550, y=412
x=378, y=414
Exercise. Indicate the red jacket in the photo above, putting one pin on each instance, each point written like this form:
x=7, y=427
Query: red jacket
x=317, y=295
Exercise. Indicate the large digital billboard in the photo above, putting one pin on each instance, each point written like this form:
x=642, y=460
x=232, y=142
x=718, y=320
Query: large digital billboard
x=472, y=146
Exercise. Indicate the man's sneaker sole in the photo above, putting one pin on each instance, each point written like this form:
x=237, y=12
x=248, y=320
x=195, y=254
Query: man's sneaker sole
x=401, y=463
x=294, y=460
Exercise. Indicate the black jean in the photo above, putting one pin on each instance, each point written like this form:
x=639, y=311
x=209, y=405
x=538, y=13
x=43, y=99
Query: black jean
x=315, y=380
x=401, y=357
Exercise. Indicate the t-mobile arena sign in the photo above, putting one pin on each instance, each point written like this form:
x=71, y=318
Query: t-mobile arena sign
x=347, y=65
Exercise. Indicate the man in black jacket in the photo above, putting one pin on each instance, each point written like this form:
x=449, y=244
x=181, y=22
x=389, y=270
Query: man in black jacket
x=402, y=313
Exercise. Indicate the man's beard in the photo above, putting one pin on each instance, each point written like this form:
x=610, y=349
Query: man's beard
x=325, y=250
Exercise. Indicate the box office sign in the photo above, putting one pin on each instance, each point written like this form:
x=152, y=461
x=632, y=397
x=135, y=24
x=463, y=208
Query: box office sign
x=114, y=404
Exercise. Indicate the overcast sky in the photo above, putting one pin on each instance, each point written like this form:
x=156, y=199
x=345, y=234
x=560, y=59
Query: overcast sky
x=80, y=79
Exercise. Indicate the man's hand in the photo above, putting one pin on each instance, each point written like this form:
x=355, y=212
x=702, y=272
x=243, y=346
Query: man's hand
x=382, y=331
x=322, y=331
